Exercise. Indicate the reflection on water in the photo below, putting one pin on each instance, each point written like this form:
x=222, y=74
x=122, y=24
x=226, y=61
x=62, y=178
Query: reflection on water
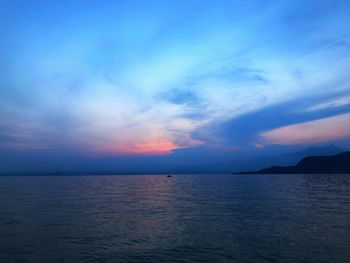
x=207, y=218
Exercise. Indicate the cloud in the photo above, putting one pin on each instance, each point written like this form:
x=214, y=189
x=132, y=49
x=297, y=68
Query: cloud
x=180, y=96
x=244, y=131
x=318, y=131
x=335, y=103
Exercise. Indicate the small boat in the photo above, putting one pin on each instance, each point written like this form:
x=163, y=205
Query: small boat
x=168, y=175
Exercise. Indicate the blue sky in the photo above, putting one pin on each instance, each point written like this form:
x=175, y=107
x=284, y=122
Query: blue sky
x=119, y=80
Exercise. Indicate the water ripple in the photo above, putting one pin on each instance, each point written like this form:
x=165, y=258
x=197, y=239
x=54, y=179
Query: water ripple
x=186, y=218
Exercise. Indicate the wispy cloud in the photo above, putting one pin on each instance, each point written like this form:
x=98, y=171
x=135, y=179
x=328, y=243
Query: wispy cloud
x=335, y=103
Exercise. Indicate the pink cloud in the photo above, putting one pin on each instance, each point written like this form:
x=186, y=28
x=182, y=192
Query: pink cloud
x=318, y=131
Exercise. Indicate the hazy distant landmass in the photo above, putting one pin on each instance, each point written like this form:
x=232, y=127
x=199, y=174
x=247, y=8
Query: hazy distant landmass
x=286, y=159
x=339, y=163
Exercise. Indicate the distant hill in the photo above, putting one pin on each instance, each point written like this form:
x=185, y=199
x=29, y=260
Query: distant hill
x=339, y=163
x=294, y=157
x=286, y=159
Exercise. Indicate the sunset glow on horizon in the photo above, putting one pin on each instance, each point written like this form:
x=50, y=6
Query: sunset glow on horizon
x=145, y=148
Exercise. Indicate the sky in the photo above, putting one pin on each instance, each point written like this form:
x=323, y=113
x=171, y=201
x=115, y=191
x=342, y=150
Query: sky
x=110, y=85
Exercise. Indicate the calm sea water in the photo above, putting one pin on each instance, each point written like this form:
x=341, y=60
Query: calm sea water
x=186, y=218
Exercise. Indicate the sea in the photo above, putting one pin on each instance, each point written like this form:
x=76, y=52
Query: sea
x=183, y=218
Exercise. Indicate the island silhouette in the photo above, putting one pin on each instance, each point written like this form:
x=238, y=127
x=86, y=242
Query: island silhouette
x=333, y=164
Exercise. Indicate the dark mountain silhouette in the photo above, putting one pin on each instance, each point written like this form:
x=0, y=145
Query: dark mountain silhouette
x=339, y=163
